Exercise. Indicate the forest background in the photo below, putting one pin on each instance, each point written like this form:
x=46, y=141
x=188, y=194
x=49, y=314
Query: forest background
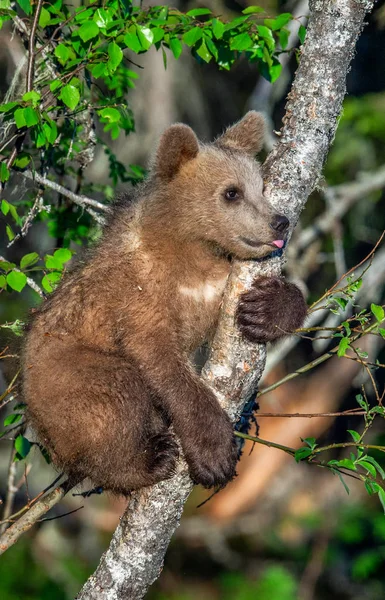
x=283, y=530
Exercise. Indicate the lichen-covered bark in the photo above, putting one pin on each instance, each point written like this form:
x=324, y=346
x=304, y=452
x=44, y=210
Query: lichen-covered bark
x=135, y=557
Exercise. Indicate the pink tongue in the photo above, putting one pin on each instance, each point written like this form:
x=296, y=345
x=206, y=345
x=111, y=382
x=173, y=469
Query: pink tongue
x=279, y=243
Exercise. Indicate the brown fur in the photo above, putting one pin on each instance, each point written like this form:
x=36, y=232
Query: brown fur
x=106, y=361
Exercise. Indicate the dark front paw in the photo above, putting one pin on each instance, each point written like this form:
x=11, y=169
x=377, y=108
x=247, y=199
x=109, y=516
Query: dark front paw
x=271, y=309
x=212, y=457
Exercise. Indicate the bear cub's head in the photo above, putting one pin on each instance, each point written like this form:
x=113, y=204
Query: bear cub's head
x=215, y=191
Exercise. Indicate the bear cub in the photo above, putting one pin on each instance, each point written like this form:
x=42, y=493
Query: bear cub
x=106, y=367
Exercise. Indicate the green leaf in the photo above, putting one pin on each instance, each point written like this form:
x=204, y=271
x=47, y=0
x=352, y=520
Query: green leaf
x=355, y=435
x=279, y=22
x=22, y=446
x=17, y=328
x=382, y=332
x=31, y=116
x=102, y=18
x=4, y=108
x=380, y=410
x=132, y=42
x=33, y=97
x=16, y=280
x=83, y=15
x=10, y=208
x=4, y=172
x=368, y=467
x=115, y=56
x=376, y=465
x=212, y=47
x=378, y=312
x=197, y=12
x=342, y=480
x=44, y=18
x=284, y=38
x=3, y=282
x=88, y=30
x=29, y=259
x=6, y=266
x=203, y=52
x=4, y=207
x=266, y=34
x=62, y=53
x=241, y=42
x=70, y=96
x=343, y=346
x=218, y=29
x=50, y=131
x=302, y=33
x=39, y=137
x=52, y=263
x=275, y=70
x=55, y=85
x=25, y=5
x=176, y=47
x=111, y=114
x=99, y=70
x=253, y=9
x=12, y=419
x=362, y=402
x=50, y=281
x=158, y=34
x=381, y=495
x=191, y=37
x=145, y=35
x=63, y=255
x=310, y=441
x=20, y=118
x=164, y=55
x=347, y=464
x=302, y=453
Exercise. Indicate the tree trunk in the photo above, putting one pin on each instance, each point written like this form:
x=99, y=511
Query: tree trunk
x=135, y=557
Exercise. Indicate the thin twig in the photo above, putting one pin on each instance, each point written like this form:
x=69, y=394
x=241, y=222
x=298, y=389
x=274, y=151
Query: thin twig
x=3, y=397
x=333, y=287
x=25, y=522
x=345, y=413
x=11, y=490
x=313, y=363
x=31, y=47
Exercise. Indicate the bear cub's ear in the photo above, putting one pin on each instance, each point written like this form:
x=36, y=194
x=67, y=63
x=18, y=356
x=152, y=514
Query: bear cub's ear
x=246, y=135
x=177, y=146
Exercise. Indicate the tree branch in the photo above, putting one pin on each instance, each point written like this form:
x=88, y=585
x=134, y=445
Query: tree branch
x=79, y=199
x=341, y=198
x=135, y=557
x=29, y=519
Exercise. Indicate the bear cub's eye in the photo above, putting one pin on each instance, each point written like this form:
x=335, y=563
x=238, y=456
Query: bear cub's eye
x=232, y=194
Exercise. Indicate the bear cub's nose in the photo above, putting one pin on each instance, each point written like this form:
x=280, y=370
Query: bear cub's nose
x=280, y=223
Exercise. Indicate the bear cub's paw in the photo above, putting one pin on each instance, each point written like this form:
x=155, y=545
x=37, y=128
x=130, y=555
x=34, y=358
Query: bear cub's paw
x=162, y=455
x=212, y=459
x=271, y=309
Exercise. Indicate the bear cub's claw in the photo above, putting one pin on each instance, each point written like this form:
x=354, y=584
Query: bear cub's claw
x=271, y=309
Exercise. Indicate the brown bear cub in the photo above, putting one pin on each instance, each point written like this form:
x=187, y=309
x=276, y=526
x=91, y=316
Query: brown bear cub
x=106, y=360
